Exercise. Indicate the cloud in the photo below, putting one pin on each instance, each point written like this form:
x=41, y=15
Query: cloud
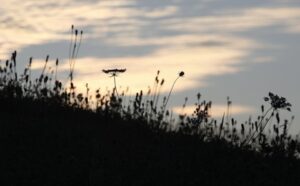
x=211, y=39
x=36, y=22
x=161, y=12
x=239, y=20
x=265, y=59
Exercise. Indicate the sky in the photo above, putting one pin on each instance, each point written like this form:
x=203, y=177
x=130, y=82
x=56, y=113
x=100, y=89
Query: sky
x=240, y=49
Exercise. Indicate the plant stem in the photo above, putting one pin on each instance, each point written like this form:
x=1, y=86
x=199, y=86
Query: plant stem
x=164, y=106
x=260, y=123
x=115, y=89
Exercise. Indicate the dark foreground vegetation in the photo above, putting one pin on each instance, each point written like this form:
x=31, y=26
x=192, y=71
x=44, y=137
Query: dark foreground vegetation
x=51, y=135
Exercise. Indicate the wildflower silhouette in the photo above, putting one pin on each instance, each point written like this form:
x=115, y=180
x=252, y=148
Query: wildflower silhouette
x=114, y=73
x=181, y=74
x=276, y=103
x=73, y=50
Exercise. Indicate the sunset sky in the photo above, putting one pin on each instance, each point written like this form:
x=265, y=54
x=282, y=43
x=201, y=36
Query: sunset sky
x=241, y=49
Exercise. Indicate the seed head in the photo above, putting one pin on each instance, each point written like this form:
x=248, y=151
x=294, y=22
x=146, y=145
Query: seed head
x=181, y=74
x=162, y=82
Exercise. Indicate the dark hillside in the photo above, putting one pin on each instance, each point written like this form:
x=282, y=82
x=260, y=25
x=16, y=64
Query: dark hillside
x=48, y=144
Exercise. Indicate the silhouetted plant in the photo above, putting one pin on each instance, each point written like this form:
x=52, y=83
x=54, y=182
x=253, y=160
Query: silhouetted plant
x=180, y=74
x=276, y=103
x=114, y=73
x=75, y=44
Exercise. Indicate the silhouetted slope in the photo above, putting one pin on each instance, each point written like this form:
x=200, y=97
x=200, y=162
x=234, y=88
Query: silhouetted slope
x=44, y=143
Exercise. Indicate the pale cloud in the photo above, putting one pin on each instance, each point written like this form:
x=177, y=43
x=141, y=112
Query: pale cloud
x=217, y=111
x=239, y=20
x=265, y=59
x=186, y=39
x=161, y=12
x=37, y=22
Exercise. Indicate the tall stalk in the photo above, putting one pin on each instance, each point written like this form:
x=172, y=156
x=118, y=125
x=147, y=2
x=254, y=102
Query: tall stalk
x=168, y=97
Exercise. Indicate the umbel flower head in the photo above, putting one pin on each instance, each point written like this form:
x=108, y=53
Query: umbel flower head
x=113, y=72
x=278, y=102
